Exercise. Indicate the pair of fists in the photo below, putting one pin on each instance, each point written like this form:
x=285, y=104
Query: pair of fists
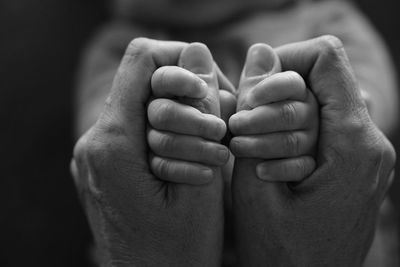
x=140, y=218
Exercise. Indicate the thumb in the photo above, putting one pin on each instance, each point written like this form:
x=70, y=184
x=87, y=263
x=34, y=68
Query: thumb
x=131, y=87
x=197, y=58
x=261, y=62
x=125, y=110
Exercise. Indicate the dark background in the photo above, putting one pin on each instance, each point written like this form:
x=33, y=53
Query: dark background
x=41, y=222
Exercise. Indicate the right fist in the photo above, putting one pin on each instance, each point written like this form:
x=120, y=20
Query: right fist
x=329, y=218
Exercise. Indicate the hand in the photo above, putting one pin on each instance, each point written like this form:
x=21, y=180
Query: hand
x=137, y=218
x=185, y=141
x=327, y=219
x=280, y=127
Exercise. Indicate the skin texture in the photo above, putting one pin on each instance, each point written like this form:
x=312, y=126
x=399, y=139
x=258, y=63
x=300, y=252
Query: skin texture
x=273, y=27
x=328, y=219
x=276, y=123
x=138, y=219
x=185, y=128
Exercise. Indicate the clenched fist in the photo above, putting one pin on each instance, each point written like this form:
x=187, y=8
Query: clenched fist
x=327, y=218
x=154, y=210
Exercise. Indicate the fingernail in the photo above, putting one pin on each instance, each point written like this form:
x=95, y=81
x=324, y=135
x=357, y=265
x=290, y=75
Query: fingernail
x=203, y=85
x=223, y=155
x=260, y=60
x=197, y=58
x=262, y=174
x=207, y=173
x=221, y=130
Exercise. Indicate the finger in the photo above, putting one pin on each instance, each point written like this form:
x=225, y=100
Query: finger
x=366, y=96
x=286, y=170
x=323, y=61
x=172, y=116
x=181, y=172
x=130, y=89
x=278, y=87
x=273, y=146
x=261, y=62
x=197, y=58
x=125, y=108
x=173, y=81
x=276, y=117
x=187, y=148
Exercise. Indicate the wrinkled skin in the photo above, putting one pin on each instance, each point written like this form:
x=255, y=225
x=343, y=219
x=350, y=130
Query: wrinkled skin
x=328, y=219
x=138, y=219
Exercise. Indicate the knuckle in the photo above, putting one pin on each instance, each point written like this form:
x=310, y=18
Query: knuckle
x=300, y=168
x=162, y=113
x=215, y=129
x=202, y=149
x=381, y=161
x=220, y=128
x=391, y=155
x=159, y=78
x=189, y=173
x=288, y=113
x=103, y=152
x=185, y=171
x=286, y=170
x=367, y=99
x=80, y=149
x=153, y=137
x=234, y=124
x=204, y=128
x=384, y=154
x=282, y=170
x=139, y=47
x=291, y=144
x=245, y=124
x=166, y=143
x=90, y=153
x=141, y=50
x=295, y=80
x=330, y=44
x=80, y=158
x=163, y=166
x=235, y=146
x=97, y=154
x=201, y=45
